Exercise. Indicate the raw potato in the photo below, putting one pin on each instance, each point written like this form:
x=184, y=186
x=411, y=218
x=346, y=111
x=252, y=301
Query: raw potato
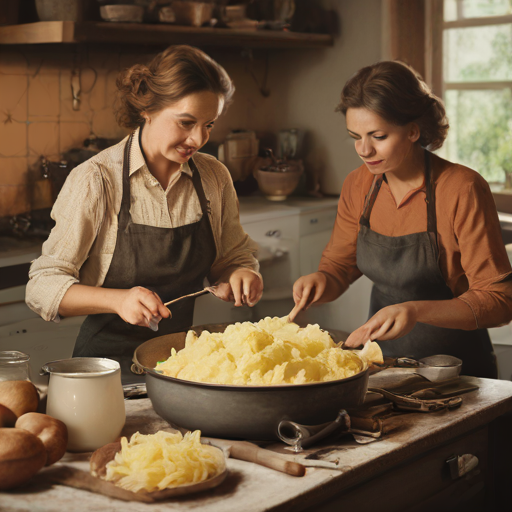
x=22, y=455
x=20, y=396
x=52, y=432
x=7, y=417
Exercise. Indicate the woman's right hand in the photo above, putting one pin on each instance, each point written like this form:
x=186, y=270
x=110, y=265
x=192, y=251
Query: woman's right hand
x=307, y=290
x=140, y=306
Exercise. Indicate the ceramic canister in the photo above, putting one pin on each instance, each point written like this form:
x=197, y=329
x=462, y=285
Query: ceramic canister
x=86, y=394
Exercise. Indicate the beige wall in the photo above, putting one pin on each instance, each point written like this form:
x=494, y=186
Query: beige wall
x=37, y=118
x=305, y=87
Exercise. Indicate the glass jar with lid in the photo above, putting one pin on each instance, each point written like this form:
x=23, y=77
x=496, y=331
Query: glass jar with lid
x=14, y=365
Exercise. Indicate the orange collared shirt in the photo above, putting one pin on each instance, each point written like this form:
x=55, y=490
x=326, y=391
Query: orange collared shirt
x=472, y=256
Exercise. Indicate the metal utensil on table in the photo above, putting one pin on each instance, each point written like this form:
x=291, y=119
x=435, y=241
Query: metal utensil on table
x=302, y=436
x=410, y=403
x=436, y=368
x=137, y=390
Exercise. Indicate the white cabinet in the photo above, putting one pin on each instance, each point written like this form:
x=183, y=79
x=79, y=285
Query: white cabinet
x=42, y=341
x=310, y=251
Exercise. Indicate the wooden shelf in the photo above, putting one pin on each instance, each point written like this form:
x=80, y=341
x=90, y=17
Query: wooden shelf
x=156, y=34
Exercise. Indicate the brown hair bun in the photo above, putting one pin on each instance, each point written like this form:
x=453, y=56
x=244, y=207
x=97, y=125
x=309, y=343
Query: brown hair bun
x=173, y=74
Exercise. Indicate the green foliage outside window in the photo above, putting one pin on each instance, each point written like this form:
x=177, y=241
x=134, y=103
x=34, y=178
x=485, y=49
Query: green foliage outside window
x=480, y=118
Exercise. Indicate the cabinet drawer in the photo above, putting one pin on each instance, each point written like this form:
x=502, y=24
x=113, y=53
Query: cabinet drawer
x=317, y=221
x=278, y=227
x=415, y=485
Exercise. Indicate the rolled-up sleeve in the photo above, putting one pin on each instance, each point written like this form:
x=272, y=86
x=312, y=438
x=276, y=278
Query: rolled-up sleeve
x=78, y=213
x=483, y=256
x=339, y=258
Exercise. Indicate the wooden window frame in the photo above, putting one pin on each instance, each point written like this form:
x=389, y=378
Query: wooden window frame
x=434, y=30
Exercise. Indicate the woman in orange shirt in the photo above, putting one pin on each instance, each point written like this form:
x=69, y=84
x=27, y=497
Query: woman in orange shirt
x=423, y=229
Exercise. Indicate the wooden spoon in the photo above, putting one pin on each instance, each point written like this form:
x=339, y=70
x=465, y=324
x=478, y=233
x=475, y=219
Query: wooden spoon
x=294, y=312
x=208, y=289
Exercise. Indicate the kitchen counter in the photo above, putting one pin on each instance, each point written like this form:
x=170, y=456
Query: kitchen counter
x=406, y=470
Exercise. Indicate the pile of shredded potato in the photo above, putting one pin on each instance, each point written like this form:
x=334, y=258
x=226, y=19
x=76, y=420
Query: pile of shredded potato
x=158, y=461
x=269, y=352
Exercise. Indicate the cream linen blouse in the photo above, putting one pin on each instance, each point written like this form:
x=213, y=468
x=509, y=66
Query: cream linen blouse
x=81, y=245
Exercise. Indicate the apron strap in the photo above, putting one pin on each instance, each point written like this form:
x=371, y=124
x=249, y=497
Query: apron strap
x=370, y=201
x=431, y=196
x=198, y=185
x=124, y=213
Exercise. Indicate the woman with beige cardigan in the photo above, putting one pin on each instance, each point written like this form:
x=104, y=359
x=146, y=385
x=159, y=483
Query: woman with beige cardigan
x=149, y=219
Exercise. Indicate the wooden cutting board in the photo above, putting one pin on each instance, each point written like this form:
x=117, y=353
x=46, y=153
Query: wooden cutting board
x=79, y=479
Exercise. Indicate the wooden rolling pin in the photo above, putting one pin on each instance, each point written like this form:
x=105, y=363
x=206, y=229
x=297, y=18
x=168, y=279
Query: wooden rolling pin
x=250, y=452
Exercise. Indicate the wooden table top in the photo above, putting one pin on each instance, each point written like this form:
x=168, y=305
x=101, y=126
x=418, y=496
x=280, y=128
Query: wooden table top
x=253, y=488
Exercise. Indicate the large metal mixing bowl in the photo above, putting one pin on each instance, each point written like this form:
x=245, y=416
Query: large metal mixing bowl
x=240, y=412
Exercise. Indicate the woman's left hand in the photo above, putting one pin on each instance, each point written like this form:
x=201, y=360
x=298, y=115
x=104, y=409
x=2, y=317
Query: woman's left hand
x=389, y=323
x=244, y=287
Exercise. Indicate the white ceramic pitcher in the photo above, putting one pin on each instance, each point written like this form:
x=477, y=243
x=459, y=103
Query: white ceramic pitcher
x=86, y=394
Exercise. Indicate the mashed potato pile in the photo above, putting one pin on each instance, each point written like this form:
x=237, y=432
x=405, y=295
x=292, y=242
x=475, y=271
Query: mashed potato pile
x=269, y=352
x=158, y=461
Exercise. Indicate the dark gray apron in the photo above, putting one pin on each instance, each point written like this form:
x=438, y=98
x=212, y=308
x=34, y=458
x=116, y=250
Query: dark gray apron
x=405, y=268
x=169, y=261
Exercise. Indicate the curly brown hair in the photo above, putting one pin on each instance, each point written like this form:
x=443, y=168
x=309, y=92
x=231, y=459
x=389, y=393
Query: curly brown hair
x=173, y=74
x=398, y=94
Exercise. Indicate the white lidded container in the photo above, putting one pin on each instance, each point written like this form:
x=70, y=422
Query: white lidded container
x=87, y=395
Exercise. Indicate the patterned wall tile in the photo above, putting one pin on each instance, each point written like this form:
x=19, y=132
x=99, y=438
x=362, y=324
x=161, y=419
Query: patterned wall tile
x=13, y=97
x=43, y=139
x=13, y=139
x=72, y=135
x=43, y=96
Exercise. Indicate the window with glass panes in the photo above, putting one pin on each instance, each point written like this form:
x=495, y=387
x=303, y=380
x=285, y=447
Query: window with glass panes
x=477, y=87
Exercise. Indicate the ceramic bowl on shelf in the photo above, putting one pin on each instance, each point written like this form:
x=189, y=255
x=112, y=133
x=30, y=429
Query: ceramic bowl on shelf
x=191, y=13
x=57, y=10
x=277, y=186
x=122, y=13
